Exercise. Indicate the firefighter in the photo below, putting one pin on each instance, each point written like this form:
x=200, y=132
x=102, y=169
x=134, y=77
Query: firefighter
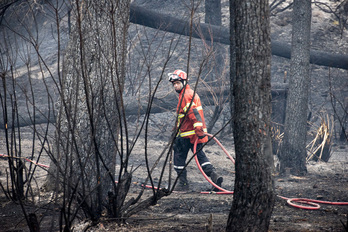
x=191, y=125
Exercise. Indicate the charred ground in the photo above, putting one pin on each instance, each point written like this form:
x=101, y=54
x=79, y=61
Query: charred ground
x=194, y=211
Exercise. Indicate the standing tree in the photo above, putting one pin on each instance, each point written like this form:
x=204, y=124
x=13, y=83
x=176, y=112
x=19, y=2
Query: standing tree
x=232, y=55
x=213, y=12
x=218, y=65
x=293, y=151
x=90, y=116
x=253, y=197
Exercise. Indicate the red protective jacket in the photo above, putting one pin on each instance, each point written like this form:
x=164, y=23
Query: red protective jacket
x=193, y=124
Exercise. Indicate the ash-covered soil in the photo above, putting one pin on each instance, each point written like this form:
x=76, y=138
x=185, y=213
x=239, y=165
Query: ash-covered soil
x=195, y=209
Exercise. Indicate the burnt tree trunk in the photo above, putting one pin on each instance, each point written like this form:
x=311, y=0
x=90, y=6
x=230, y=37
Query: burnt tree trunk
x=233, y=72
x=212, y=10
x=293, y=151
x=88, y=122
x=217, y=65
x=253, y=197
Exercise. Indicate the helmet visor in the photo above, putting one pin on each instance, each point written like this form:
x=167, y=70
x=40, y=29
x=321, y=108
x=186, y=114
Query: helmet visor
x=174, y=77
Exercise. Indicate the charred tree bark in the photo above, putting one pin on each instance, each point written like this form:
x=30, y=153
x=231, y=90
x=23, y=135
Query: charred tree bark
x=293, y=152
x=233, y=72
x=90, y=107
x=217, y=65
x=213, y=12
x=253, y=197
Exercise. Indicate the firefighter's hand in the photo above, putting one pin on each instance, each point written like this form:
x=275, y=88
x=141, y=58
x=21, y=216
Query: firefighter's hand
x=199, y=132
x=201, y=137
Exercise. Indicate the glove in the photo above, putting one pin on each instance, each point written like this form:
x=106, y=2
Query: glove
x=201, y=137
x=199, y=132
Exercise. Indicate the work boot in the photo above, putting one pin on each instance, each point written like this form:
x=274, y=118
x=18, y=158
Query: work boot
x=182, y=187
x=217, y=180
x=182, y=184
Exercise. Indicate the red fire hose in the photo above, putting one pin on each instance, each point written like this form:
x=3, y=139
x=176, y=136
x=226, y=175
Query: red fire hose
x=26, y=159
x=203, y=173
x=311, y=204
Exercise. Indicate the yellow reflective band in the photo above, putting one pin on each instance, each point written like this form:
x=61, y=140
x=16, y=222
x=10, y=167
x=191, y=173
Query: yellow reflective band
x=188, y=105
x=198, y=124
x=199, y=108
x=179, y=117
x=187, y=133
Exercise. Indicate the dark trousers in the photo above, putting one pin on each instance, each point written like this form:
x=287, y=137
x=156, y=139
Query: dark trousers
x=181, y=149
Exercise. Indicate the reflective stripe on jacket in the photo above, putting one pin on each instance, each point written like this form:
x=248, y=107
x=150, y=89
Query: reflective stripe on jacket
x=194, y=115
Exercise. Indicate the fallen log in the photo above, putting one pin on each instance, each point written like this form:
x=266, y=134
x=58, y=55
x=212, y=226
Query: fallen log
x=153, y=19
x=139, y=106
